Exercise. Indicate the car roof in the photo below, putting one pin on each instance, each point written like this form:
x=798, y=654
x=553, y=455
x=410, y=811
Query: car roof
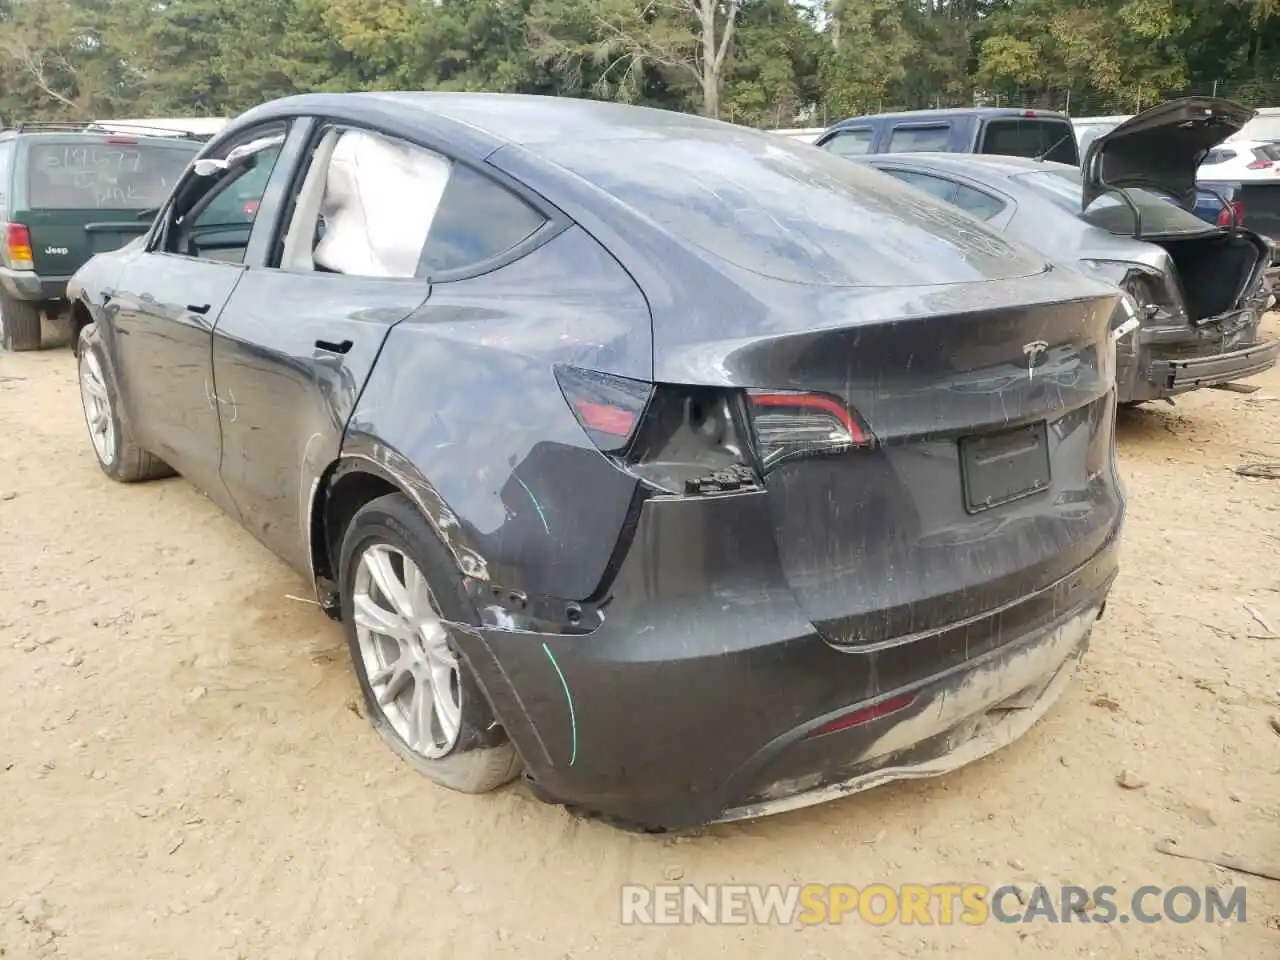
x=990, y=163
x=501, y=117
x=948, y=112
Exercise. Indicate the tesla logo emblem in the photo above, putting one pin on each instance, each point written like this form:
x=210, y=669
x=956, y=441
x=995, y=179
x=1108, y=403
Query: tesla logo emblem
x=1035, y=351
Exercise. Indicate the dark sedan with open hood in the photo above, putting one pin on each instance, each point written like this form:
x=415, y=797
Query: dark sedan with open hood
x=697, y=473
x=1198, y=289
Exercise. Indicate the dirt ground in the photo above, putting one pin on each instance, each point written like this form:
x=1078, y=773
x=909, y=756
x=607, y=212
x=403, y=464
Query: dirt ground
x=183, y=774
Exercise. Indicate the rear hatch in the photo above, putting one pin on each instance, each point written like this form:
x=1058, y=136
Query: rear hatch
x=82, y=193
x=972, y=382
x=1030, y=135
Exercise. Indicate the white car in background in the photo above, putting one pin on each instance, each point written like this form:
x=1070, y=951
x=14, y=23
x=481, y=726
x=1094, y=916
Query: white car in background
x=1242, y=160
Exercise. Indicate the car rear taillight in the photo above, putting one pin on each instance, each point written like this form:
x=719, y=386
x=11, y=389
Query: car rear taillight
x=1261, y=165
x=1225, y=215
x=17, y=240
x=791, y=424
x=705, y=440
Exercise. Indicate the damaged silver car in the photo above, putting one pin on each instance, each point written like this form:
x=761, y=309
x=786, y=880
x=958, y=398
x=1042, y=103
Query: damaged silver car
x=1199, y=289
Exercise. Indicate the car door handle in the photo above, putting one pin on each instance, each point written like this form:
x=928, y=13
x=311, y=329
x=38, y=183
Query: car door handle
x=200, y=308
x=329, y=347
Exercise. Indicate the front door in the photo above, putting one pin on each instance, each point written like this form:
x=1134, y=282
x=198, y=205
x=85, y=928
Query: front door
x=165, y=307
x=296, y=343
x=167, y=301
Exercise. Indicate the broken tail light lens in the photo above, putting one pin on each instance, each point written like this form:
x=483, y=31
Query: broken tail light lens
x=678, y=439
x=795, y=424
x=18, y=246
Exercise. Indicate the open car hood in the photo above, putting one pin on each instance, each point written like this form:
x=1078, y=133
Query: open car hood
x=1161, y=149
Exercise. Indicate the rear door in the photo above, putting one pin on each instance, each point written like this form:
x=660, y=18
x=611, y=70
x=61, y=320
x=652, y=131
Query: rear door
x=86, y=193
x=299, y=337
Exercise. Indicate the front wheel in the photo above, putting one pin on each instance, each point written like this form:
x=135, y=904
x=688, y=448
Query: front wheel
x=398, y=592
x=119, y=457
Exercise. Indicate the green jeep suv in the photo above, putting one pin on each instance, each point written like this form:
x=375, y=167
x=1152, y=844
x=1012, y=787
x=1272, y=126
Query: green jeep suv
x=68, y=191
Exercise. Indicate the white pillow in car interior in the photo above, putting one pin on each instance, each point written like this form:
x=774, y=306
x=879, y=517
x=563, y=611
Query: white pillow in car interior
x=379, y=201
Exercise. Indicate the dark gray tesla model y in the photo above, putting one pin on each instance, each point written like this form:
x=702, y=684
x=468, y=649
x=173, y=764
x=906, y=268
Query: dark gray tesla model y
x=696, y=473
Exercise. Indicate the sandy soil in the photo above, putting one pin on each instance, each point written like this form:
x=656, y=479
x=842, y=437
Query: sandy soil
x=183, y=773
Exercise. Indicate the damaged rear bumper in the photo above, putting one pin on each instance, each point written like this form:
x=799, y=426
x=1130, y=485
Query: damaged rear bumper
x=1177, y=376
x=1163, y=361
x=966, y=716
x=701, y=695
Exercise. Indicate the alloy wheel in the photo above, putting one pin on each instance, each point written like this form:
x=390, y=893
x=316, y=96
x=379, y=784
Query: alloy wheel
x=97, y=407
x=404, y=646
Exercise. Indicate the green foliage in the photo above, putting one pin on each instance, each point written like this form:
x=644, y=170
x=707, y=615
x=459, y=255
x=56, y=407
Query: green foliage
x=761, y=62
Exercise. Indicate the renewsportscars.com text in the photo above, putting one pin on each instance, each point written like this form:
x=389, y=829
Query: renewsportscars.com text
x=926, y=904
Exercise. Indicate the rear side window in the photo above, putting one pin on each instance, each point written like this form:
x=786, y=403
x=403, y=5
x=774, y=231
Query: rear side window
x=375, y=206
x=934, y=186
x=850, y=143
x=932, y=139
x=981, y=205
x=6, y=165
x=94, y=174
x=1031, y=137
x=792, y=213
x=1217, y=156
x=477, y=221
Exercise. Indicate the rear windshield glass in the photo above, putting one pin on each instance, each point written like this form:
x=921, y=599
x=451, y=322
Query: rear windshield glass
x=1027, y=137
x=1160, y=215
x=94, y=174
x=791, y=212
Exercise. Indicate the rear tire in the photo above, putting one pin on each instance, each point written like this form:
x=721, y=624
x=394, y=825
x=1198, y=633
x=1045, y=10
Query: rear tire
x=392, y=560
x=118, y=455
x=19, y=324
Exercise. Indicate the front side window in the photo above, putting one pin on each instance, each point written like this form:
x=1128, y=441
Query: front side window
x=934, y=139
x=213, y=212
x=850, y=143
x=374, y=206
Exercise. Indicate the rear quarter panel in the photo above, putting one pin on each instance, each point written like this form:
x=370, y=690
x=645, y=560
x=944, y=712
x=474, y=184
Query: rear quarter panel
x=465, y=397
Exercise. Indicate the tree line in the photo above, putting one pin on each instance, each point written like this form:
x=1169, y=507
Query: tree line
x=771, y=63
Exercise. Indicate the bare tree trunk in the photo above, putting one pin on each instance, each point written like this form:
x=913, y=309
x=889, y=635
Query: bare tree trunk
x=714, y=48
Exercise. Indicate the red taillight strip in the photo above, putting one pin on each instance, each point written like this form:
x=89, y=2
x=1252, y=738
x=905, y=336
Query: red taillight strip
x=814, y=402
x=865, y=715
